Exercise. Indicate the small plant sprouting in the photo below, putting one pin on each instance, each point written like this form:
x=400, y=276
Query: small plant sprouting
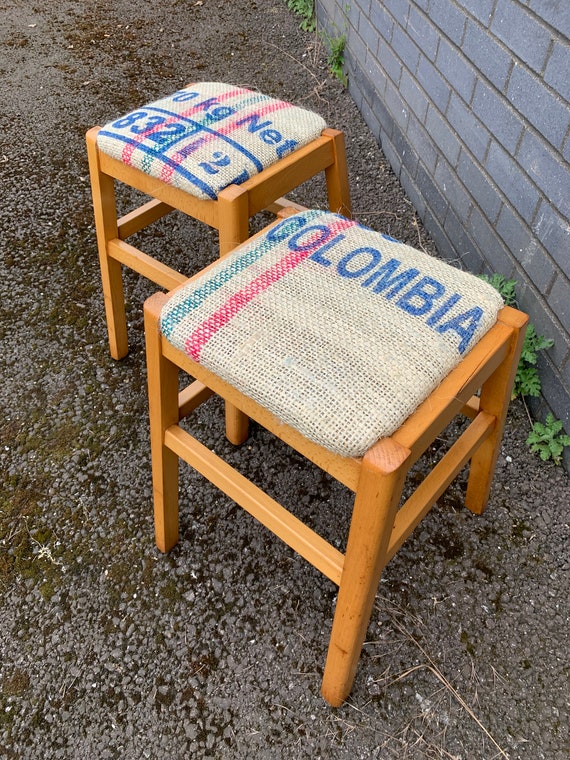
x=306, y=10
x=527, y=380
x=547, y=440
x=335, y=57
x=507, y=288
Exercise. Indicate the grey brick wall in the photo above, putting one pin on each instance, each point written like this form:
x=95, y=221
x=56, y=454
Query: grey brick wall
x=469, y=100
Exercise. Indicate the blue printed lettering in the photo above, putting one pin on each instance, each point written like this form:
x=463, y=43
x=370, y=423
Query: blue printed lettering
x=442, y=311
x=183, y=95
x=130, y=119
x=285, y=228
x=295, y=243
x=318, y=254
x=254, y=126
x=385, y=278
x=218, y=160
x=464, y=325
x=167, y=134
x=271, y=136
x=287, y=147
x=206, y=104
x=420, y=297
x=150, y=122
x=369, y=257
x=187, y=150
x=221, y=112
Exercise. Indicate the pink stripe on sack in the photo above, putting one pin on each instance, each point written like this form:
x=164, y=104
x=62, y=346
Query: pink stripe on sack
x=223, y=96
x=280, y=105
x=341, y=224
x=166, y=172
x=238, y=301
x=129, y=149
x=127, y=153
x=232, y=126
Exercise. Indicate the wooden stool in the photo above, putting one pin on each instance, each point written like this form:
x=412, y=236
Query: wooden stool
x=216, y=152
x=357, y=351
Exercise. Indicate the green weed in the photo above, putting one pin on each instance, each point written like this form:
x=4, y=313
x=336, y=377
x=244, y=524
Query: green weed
x=507, y=288
x=306, y=10
x=527, y=380
x=335, y=58
x=547, y=440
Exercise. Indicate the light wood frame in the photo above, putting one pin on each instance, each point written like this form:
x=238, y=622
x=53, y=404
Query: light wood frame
x=229, y=214
x=478, y=388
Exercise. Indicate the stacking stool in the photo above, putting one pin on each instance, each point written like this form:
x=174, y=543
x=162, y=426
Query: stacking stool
x=357, y=351
x=216, y=152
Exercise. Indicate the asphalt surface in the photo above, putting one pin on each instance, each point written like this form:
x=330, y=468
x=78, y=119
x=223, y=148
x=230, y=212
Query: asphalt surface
x=109, y=649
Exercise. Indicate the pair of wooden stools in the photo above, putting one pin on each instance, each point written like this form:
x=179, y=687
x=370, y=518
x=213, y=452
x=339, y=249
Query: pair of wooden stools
x=353, y=348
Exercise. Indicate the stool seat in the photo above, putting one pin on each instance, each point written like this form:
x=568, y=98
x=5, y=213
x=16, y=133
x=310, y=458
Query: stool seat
x=336, y=329
x=208, y=136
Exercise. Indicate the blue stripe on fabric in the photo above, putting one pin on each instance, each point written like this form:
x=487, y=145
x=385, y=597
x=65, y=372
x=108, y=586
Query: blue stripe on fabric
x=196, y=181
x=390, y=238
x=197, y=297
x=251, y=101
x=208, y=130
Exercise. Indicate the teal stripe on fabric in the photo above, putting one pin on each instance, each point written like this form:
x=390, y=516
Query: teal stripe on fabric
x=175, y=314
x=251, y=100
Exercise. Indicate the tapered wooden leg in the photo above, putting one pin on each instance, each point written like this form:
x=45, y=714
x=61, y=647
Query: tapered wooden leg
x=495, y=397
x=233, y=222
x=337, y=176
x=379, y=489
x=105, y=212
x=163, y=410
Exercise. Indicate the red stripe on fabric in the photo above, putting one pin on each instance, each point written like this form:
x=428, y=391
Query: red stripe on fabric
x=232, y=126
x=127, y=153
x=238, y=301
x=129, y=149
x=269, y=108
x=166, y=172
x=341, y=224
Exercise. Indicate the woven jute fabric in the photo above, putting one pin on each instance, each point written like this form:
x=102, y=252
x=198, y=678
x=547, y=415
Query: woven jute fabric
x=208, y=136
x=338, y=330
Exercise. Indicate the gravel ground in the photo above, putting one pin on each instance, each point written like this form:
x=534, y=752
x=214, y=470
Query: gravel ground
x=110, y=649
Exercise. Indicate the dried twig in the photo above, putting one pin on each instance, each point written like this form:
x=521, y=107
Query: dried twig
x=431, y=666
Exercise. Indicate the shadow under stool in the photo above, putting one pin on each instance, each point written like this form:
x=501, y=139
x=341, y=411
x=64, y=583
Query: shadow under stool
x=357, y=351
x=216, y=152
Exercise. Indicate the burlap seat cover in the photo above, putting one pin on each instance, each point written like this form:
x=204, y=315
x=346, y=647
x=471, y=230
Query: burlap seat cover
x=338, y=330
x=208, y=136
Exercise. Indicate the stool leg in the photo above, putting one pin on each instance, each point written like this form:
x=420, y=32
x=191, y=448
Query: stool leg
x=233, y=224
x=380, y=486
x=233, y=217
x=163, y=411
x=495, y=397
x=105, y=212
x=336, y=175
